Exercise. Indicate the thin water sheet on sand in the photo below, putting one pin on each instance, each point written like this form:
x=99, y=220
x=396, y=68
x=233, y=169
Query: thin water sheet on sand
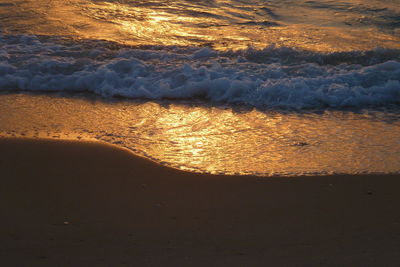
x=200, y=137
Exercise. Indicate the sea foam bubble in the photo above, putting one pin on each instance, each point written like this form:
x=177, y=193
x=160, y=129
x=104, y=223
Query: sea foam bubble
x=272, y=77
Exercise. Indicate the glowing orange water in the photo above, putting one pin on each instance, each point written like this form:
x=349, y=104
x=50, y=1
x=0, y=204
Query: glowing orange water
x=212, y=139
x=220, y=25
x=201, y=138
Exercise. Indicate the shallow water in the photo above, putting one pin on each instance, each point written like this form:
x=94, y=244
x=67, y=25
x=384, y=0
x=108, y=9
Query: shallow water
x=201, y=138
x=249, y=87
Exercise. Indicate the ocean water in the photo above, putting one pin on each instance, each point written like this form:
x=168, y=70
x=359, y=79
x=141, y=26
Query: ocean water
x=234, y=87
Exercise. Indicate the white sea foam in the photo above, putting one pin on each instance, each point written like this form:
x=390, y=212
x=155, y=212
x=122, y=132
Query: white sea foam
x=273, y=77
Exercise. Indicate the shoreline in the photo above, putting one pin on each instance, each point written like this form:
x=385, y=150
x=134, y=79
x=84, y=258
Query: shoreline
x=74, y=203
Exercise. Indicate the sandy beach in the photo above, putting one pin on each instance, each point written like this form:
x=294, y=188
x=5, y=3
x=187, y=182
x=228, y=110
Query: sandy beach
x=244, y=108
x=67, y=203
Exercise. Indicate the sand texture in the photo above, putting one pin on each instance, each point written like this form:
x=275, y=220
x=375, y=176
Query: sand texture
x=86, y=204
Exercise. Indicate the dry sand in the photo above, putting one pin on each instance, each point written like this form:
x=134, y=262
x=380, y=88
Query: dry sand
x=87, y=204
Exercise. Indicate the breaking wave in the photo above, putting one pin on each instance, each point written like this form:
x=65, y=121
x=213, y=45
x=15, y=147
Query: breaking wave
x=279, y=77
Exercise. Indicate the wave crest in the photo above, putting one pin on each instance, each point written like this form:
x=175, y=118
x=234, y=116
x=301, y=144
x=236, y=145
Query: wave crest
x=272, y=77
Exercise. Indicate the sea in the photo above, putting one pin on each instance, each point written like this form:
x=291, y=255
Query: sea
x=255, y=87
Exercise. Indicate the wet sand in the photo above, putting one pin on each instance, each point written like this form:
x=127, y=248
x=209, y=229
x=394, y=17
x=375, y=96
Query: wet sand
x=87, y=204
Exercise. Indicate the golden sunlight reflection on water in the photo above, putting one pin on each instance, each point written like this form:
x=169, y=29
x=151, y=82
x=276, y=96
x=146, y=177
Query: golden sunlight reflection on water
x=215, y=139
x=181, y=23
